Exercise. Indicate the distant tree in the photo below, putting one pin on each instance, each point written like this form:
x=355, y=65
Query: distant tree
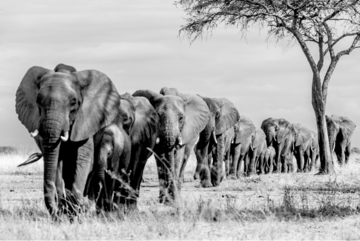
x=7, y=150
x=323, y=23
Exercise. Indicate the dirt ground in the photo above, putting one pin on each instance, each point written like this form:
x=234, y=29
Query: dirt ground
x=276, y=206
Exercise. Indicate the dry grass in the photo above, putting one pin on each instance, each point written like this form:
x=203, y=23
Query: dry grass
x=278, y=206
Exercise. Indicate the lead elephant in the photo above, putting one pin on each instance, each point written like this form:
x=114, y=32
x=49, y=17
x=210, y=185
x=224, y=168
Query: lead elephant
x=59, y=110
x=244, y=134
x=276, y=131
x=210, y=148
x=340, y=130
x=181, y=119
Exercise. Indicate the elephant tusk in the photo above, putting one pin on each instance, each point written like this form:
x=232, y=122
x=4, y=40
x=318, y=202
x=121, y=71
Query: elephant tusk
x=179, y=139
x=65, y=138
x=157, y=140
x=35, y=133
x=214, y=137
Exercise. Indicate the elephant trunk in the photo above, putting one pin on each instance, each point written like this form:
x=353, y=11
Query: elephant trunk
x=172, y=177
x=51, y=131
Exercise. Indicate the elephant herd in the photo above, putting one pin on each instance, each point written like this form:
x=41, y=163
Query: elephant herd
x=95, y=142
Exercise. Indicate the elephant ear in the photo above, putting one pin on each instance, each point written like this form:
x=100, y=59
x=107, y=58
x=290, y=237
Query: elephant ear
x=146, y=120
x=259, y=138
x=227, y=117
x=26, y=94
x=347, y=126
x=169, y=91
x=303, y=135
x=152, y=96
x=196, y=116
x=127, y=113
x=245, y=131
x=99, y=107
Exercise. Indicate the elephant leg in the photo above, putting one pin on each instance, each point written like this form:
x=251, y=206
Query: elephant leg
x=241, y=167
x=301, y=161
x=187, y=152
x=271, y=163
x=347, y=153
x=142, y=156
x=162, y=165
x=60, y=187
x=217, y=167
x=201, y=150
x=262, y=164
x=284, y=163
x=77, y=161
x=251, y=166
x=313, y=160
x=236, y=156
x=307, y=160
x=278, y=158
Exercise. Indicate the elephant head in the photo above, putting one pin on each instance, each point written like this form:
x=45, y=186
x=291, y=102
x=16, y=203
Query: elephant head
x=63, y=106
x=340, y=128
x=270, y=127
x=302, y=136
x=181, y=119
x=244, y=131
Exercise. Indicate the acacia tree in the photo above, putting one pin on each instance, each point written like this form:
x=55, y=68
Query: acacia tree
x=323, y=23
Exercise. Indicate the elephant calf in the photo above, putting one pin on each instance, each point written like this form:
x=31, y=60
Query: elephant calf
x=269, y=159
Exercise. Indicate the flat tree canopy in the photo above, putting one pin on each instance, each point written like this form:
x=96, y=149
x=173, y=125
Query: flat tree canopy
x=323, y=23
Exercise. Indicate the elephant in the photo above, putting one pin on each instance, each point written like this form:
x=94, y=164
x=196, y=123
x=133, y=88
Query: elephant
x=257, y=153
x=181, y=119
x=245, y=131
x=314, y=153
x=340, y=130
x=133, y=133
x=112, y=153
x=209, y=150
x=276, y=131
x=59, y=110
x=269, y=158
x=302, y=143
x=188, y=146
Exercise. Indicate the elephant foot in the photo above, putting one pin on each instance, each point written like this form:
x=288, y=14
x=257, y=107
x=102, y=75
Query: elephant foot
x=206, y=184
x=196, y=176
x=232, y=177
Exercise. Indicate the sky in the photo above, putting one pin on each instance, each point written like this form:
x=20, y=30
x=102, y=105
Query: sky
x=137, y=44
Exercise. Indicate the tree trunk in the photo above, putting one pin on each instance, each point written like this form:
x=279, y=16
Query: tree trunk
x=326, y=162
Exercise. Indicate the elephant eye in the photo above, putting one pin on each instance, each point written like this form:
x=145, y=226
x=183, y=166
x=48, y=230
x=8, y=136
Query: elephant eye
x=181, y=118
x=73, y=102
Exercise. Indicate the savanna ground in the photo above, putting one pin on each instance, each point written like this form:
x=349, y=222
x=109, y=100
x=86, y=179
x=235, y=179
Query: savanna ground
x=276, y=206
